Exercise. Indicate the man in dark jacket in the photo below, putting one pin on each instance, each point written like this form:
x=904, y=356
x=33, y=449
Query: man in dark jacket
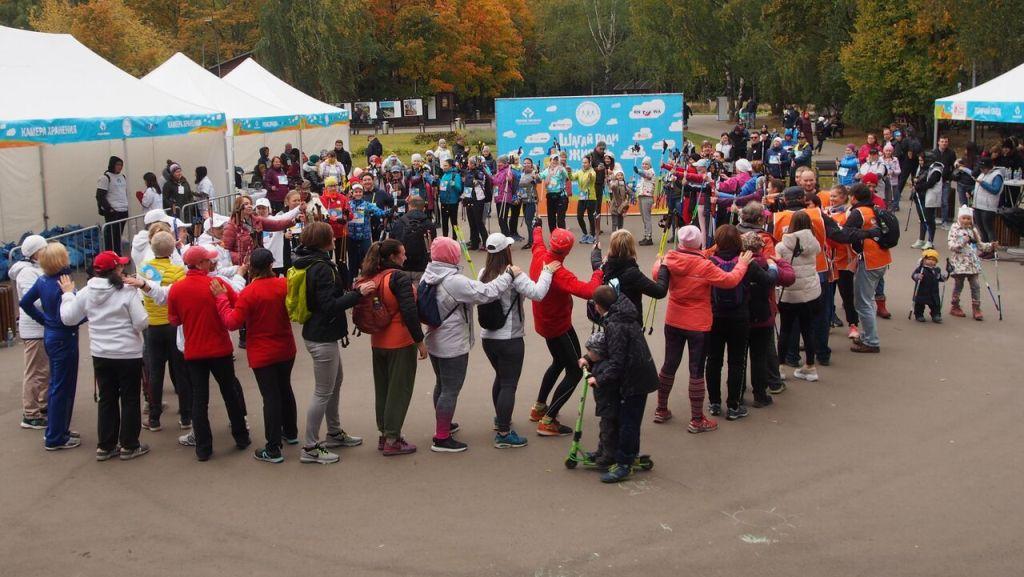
x=738, y=139
x=373, y=148
x=622, y=378
x=947, y=156
x=415, y=230
x=758, y=147
x=460, y=152
x=906, y=150
x=176, y=190
x=597, y=163
x=343, y=155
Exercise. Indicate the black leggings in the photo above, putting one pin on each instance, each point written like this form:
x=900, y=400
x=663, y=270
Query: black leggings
x=676, y=340
x=477, y=228
x=928, y=224
x=449, y=213
x=508, y=217
x=162, y=351
x=557, y=205
x=731, y=333
x=804, y=313
x=506, y=356
x=589, y=207
x=565, y=356
x=279, y=411
x=760, y=361
x=846, y=294
x=986, y=220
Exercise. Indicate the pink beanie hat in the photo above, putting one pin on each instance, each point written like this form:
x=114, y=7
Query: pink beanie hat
x=445, y=250
x=690, y=237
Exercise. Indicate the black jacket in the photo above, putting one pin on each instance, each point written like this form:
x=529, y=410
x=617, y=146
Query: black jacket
x=754, y=277
x=629, y=367
x=928, y=285
x=633, y=283
x=345, y=158
x=410, y=231
x=171, y=196
x=324, y=296
x=374, y=148
x=948, y=159
x=597, y=163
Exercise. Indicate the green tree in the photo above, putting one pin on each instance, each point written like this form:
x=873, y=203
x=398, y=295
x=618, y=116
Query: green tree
x=16, y=13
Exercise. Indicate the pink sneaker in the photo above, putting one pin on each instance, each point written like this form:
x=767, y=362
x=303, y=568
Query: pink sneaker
x=398, y=447
x=854, y=333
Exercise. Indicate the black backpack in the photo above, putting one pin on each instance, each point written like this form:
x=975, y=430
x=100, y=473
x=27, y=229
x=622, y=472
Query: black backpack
x=414, y=238
x=491, y=315
x=728, y=300
x=889, y=226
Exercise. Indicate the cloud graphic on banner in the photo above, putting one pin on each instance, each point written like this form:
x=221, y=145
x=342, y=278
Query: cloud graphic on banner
x=676, y=126
x=677, y=115
x=629, y=154
x=669, y=145
x=538, y=138
x=648, y=109
x=561, y=124
x=509, y=134
x=616, y=105
x=536, y=150
x=551, y=108
x=612, y=122
x=643, y=134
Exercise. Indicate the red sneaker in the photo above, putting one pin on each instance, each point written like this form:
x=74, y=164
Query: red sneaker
x=537, y=412
x=702, y=425
x=552, y=429
x=398, y=447
x=662, y=415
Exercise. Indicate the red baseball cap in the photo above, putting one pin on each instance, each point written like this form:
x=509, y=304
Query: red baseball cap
x=197, y=254
x=108, y=260
x=870, y=178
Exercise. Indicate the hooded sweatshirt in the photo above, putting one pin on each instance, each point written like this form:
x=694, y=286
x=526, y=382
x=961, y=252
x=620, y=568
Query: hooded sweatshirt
x=692, y=275
x=455, y=335
x=142, y=252
x=116, y=318
x=807, y=287
x=25, y=273
x=552, y=316
x=525, y=289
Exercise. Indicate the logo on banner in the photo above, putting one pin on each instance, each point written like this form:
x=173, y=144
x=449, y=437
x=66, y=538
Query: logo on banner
x=588, y=113
x=126, y=127
x=528, y=118
x=959, y=111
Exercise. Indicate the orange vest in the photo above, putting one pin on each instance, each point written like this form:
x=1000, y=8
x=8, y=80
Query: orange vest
x=840, y=251
x=817, y=227
x=396, y=335
x=875, y=257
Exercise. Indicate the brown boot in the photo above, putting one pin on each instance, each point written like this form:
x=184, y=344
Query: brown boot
x=976, y=306
x=882, y=311
x=955, y=309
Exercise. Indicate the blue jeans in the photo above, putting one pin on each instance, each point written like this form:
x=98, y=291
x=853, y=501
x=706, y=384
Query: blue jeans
x=631, y=414
x=63, y=352
x=880, y=289
x=357, y=250
x=947, y=215
x=865, y=283
x=823, y=320
x=529, y=212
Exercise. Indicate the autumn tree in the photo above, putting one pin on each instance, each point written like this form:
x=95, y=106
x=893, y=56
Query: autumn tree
x=135, y=47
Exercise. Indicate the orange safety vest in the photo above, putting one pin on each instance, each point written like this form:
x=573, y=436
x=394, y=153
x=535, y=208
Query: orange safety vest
x=840, y=251
x=782, y=219
x=875, y=257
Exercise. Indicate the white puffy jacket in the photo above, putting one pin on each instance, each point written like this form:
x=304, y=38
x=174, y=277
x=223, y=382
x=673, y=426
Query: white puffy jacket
x=807, y=287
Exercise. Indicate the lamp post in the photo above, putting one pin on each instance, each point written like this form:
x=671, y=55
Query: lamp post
x=206, y=20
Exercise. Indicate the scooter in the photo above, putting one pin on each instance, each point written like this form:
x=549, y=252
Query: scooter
x=578, y=456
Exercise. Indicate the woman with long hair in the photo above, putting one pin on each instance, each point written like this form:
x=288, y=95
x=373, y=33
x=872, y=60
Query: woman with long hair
x=801, y=301
x=150, y=198
x=244, y=231
x=395, y=349
x=620, y=267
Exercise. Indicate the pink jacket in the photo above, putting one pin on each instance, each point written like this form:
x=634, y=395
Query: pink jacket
x=240, y=243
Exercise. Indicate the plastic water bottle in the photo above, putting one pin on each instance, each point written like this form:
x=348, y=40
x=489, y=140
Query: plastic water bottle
x=10, y=338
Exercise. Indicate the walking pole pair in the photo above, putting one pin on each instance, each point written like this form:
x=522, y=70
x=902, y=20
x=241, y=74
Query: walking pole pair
x=997, y=302
x=649, y=318
x=465, y=250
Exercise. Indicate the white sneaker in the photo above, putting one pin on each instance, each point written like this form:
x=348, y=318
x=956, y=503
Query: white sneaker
x=918, y=244
x=318, y=454
x=188, y=440
x=928, y=245
x=809, y=374
x=782, y=373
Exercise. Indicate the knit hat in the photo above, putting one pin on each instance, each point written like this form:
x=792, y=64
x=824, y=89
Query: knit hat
x=870, y=178
x=562, y=241
x=173, y=167
x=446, y=250
x=32, y=244
x=930, y=253
x=690, y=237
x=417, y=158
x=888, y=147
x=597, y=343
x=965, y=211
x=197, y=254
x=497, y=242
x=743, y=165
x=314, y=159
x=852, y=147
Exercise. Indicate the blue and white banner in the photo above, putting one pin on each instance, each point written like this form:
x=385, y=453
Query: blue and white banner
x=64, y=130
x=243, y=126
x=325, y=119
x=576, y=124
x=1012, y=112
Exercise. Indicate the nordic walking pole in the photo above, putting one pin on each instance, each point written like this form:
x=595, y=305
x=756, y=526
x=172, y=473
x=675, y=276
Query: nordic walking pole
x=465, y=250
x=913, y=297
x=999, y=290
x=649, y=320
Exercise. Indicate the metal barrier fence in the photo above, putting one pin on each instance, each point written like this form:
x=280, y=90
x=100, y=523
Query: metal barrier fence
x=196, y=212
x=117, y=235
x=82, y=244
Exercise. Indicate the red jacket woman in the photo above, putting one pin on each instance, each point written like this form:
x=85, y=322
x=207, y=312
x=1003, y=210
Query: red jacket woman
x=244, y=227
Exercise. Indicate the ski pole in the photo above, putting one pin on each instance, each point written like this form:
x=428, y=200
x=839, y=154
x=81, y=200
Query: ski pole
x=913, y=297
x=465, y=250
x=999, y=290
x=649, y=320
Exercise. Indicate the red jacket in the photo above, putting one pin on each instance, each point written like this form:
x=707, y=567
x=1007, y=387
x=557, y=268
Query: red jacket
x=239, y=242
x=269, y=338
x=337, y=208
x=552, y=316
x=689, y=290
x=191, y=305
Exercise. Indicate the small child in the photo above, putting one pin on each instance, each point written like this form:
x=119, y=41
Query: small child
x=626, y=370
x=927, y=277
x=965, y=246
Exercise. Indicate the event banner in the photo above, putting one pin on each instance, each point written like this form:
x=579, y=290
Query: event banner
x=980, y=111
x=576, y=124
x=325, y=119
x=64, y=130
x=244, y=126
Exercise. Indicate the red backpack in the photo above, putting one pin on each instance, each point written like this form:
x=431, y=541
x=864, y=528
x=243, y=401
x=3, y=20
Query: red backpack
x=371, y=315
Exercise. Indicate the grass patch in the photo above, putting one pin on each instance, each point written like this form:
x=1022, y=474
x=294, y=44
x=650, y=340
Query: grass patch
x=405, y=144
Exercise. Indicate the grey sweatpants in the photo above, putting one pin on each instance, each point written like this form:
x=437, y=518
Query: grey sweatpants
x=646, y=204
x=327, y=377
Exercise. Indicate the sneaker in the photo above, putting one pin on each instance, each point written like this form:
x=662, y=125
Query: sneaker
x=448, y=445
x=859, y=347
x=36, y=423
x=715, y=409
x=782, y=372
x=152, y=425
x=549, y=427
x=538, y=411
x=510, y=440
x=927, y=246
x=380, y=443
x=289, y=440
x=777, y=389
x=762, y=403
x=937, y=318
x=341, y=439
x=854, y=333
x=398, y=447
x=185, y=424
x=129, y=454
x=617, y=473
x=454, y=428
x=735, y=414
x=105, y=455
x=836, y=323
x=71, y=443
x=918, y=245
x=318, y=454
x=244, y=443
x=809, y=374
x=75, y=434
x=920, y=318
x=662, y=415
x=267, y=457
x=527, y=246
x=188, y=440
x=701, y=425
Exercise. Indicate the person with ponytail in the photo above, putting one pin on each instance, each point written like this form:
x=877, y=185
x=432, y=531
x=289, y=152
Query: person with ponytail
x=244, y=231
x=395, y=349
x=801, y=301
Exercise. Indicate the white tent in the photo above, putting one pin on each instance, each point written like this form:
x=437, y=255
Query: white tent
x=321, y=124
x=251, y=120
x=998, y=100
x=64, y=110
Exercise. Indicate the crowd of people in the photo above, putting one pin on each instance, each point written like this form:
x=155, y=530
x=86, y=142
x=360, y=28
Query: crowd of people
x=752, y=253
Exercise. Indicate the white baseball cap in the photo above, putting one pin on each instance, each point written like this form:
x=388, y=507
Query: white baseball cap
x=32, y=244
x=217, y=221
x=156, y=215
x=498, y=242
x=263, y=202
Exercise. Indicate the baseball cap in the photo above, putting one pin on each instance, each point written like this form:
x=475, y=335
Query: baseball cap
x=156, y=215
x=216, y=222
x=32, y=244
x=263, y=202
x=497, y=242
x=197, y=254
x=108, y=260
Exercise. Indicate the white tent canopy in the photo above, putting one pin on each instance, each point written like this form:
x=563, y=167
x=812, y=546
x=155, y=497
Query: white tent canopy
x=321, y=123
x=998, y=100
x=64, y=110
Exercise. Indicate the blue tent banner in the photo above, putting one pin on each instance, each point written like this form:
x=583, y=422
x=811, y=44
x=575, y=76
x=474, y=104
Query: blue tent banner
x=243, y=126
x=577, y=123
x=325, y=119
x=65, y=130
x=979, y=111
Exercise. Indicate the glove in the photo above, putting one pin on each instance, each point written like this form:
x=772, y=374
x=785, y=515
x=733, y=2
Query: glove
x=636, y=170
x=595, y=258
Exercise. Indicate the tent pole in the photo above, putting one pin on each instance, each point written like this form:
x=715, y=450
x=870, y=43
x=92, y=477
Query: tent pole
x=302, y=149
x=124, y=160
x=974, y=82
x=42, y=180
x=935, y=132
x=229, y=141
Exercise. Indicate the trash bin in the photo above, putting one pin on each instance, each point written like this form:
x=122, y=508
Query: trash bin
x=458, y=123
x=723, y=108
x=384, y=126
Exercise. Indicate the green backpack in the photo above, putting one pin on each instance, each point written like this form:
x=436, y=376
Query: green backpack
x=295, y=301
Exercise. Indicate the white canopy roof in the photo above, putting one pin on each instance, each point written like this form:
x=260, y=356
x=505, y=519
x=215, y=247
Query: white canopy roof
x=59, y=78
x=182, y=77
x=998, y=100
x=255, y=79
